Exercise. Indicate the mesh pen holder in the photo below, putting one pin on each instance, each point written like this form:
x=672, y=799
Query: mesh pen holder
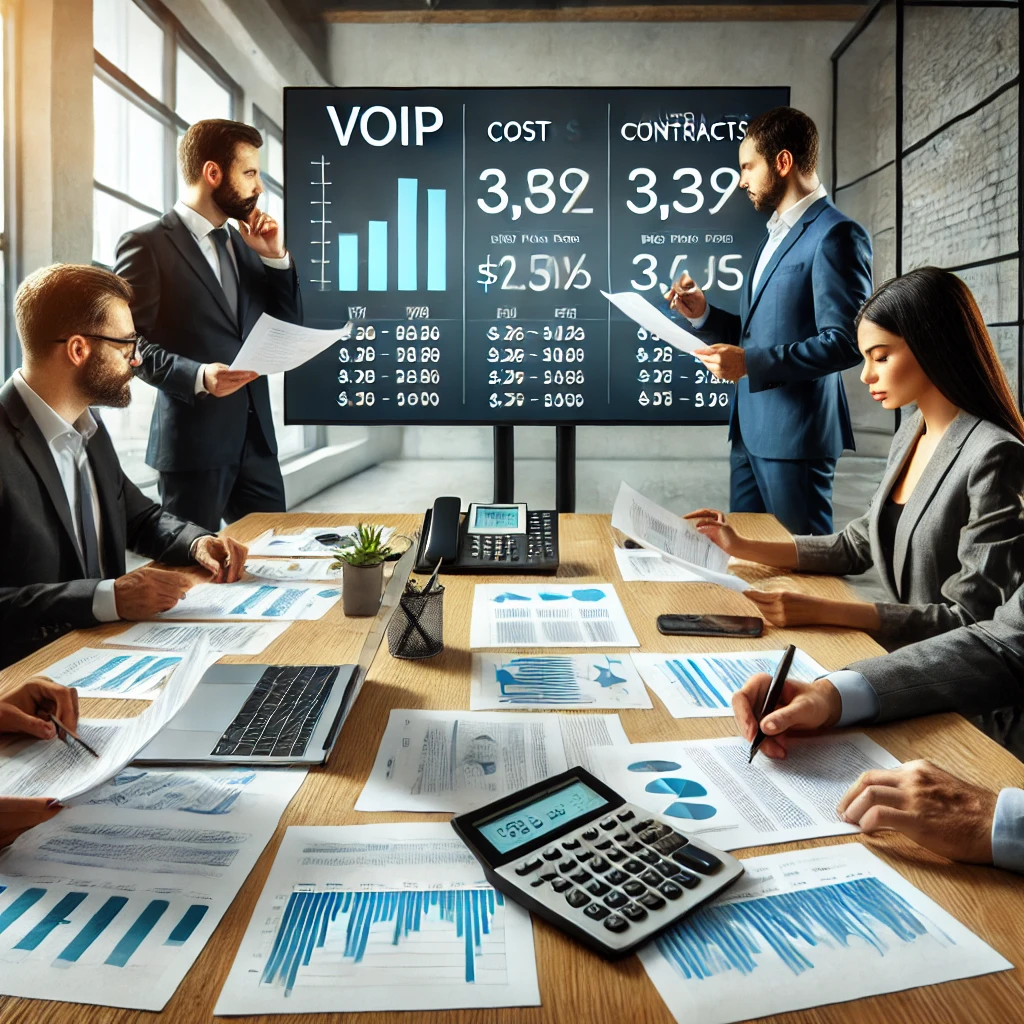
x=416, y=629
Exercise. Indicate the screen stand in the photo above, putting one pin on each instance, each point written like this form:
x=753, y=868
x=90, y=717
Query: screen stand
x=565, y=469
x=504, y=464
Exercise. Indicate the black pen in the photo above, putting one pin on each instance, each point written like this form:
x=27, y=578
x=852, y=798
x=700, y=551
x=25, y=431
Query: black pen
x=771, y=698
x=70, y=732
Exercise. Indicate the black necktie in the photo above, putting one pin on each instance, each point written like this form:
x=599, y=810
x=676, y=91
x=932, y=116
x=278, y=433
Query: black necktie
x=228, y=277
x=87, y=521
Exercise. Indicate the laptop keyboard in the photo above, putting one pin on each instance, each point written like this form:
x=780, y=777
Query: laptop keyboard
x=280, y=714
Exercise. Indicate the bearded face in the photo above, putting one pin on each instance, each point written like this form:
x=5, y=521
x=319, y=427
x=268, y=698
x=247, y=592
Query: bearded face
x=107, y=378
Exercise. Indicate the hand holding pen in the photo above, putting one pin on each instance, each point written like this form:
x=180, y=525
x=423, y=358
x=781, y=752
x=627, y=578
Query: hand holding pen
x=30, y=708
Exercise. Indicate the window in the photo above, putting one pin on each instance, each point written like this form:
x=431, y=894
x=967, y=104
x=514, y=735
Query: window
x=151, y=81
x=291, y=440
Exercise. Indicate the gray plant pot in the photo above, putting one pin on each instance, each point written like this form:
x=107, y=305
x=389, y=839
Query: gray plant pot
x=361, y=587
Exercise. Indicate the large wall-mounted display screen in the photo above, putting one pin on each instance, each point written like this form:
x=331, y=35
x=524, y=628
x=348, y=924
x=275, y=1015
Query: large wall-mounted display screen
x=469, y=234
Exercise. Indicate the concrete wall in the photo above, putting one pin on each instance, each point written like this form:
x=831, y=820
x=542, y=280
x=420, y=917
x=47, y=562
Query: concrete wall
x=594, y=54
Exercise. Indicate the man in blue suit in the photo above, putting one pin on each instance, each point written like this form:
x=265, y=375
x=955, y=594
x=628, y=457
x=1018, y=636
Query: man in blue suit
x=794, y=334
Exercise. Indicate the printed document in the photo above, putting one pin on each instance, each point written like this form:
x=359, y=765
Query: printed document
x=549, y=615
x=672, y=536
x=273, y=345
x=555, y=681
x=291, y=570
x=63, y=770
x=111, y=906
x=305, y=544
x=639, y=564
x=711, y=791
x=702, y=685
x=809, y=928
x=638, y=309
x=360, y=918
x=228, y=638
x=455, y=761
x=260, y=602
x=99, y=673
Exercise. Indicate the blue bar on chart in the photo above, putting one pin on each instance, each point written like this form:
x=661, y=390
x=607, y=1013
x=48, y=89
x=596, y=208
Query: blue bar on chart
x=92, y=930
x=27, y=899
x=348, y=263
x=187, y=925
x=437, y=268
x=56, y=916
x=377, y=256
x=134, y=937
x=407, y=215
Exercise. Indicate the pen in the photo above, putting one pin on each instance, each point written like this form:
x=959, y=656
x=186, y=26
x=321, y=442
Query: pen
x=69, y=732
x=771, y=698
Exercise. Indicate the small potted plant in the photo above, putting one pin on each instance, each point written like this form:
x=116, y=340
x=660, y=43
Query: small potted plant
x=362, y=570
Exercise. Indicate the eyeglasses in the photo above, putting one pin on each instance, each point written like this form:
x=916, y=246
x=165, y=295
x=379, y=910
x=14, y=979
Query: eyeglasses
x=134, y=341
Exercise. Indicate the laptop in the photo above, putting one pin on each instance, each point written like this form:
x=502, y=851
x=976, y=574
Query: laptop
x=256, y=714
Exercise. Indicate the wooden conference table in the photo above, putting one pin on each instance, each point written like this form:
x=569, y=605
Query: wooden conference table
x=575, y=985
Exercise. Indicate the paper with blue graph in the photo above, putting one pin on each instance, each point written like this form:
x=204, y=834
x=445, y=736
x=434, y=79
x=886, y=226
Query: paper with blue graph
x=305, y=544
x=380, y=917
x=708, y=787
x=702, y=685
x=805, y=929
x=111, y=906
x=458, y=760
x=254, y=602
x=62, y=771
x=99, y=673
x=553, y=681
x=549, y=615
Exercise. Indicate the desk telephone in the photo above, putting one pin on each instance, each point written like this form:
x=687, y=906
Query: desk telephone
x=501, y=538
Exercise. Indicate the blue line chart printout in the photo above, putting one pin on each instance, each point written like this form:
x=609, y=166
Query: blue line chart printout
x=107, y=673
x=380, y=917
x=555, y=681
x=702, y=685
x=254, y=602
x=111, y=906
x=805, y=929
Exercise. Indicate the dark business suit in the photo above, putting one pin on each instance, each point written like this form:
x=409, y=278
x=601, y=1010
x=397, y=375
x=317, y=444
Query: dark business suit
x=43, y=592
x=217, y=457
x=790, y=421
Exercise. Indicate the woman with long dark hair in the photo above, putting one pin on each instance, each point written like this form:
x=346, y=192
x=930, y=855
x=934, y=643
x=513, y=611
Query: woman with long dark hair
x=946, y=525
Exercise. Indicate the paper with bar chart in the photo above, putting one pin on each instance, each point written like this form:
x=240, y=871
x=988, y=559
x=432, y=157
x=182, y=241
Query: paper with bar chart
x=553, y=681
x=805, y=929
x=702, y=685
x=380, y=917
x=111, y=906
x=549, y=615
x=98, y=673
x=711, y=790
x=455, y=761
x=254, y=602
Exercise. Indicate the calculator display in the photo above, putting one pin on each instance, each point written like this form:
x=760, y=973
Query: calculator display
x=512, y=829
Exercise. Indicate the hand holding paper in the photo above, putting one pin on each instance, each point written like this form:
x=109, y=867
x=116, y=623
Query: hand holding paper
x=637, y=308
x=274, y=346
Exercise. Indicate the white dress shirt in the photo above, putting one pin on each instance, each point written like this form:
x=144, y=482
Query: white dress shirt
x=779, y=225
x=67, y=442
x=199, y=227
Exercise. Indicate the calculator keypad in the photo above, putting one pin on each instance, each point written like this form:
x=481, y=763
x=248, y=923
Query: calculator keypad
x=621, y=873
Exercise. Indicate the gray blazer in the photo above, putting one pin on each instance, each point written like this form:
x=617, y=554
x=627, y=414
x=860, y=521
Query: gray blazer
x=959, y=548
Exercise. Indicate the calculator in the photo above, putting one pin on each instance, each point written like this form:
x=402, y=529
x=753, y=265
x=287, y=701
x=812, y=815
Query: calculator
x=606, y=871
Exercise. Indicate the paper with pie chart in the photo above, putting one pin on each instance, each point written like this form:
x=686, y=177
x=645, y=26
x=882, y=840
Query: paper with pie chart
x=549, y=615
x=708, y=788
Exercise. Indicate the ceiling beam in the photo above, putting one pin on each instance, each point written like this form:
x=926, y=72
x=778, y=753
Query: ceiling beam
x=620, y=12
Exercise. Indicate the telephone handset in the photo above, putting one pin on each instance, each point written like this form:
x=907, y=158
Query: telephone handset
x=496, y=537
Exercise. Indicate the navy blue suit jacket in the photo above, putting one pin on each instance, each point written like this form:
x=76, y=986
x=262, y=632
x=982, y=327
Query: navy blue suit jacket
x=798, y=335
x=180, y=308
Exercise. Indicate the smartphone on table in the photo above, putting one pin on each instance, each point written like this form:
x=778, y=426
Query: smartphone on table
x=710, y=625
